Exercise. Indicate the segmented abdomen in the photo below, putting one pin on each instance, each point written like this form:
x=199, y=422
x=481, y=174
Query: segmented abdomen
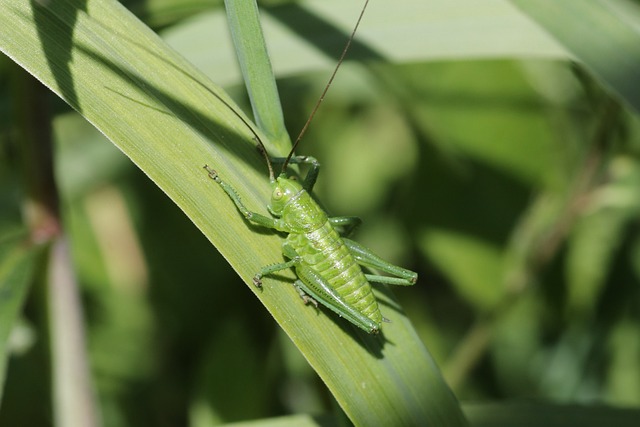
x=324, y=250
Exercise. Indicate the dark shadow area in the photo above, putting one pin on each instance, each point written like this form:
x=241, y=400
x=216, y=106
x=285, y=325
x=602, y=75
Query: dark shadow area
x=358, y=335
x=390, y=301
x=372, y=343
x=197, y=120
x=496, y=198
x=58, y=51
x=325, y=36
x=198, y=303
x=59, y=13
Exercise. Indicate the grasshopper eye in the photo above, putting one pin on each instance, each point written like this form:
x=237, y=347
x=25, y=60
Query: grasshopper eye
x=277, y=194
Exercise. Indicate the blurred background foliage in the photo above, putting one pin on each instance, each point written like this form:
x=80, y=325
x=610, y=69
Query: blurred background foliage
x=512, y=186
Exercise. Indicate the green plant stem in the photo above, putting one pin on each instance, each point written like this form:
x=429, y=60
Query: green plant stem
x=72, y=396
x=251, y=51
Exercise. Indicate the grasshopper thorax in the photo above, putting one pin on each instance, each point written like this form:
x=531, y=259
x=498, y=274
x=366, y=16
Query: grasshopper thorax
x=283, y=190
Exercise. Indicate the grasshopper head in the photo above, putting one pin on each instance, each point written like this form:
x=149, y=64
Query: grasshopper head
x=283, y=190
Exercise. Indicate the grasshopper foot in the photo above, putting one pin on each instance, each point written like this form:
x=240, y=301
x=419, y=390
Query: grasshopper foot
x=212, y=173
x=306, y=299
x=257, y=280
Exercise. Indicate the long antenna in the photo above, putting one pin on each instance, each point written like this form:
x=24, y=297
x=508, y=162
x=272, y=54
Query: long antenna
x=261, y=146
x=256, y=138
x=326, y=88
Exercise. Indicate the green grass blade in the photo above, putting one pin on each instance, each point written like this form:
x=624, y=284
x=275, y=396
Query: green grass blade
x=603, y=35
x=74, y=403
x=549, y=415
x=308, y=36
x=290, y=421
x=255, y=64
x=170, y=121
x=18, y=260
x=600, y=34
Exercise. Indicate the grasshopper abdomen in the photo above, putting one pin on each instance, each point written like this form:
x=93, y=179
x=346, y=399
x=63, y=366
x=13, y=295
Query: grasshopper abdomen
x=325, y=252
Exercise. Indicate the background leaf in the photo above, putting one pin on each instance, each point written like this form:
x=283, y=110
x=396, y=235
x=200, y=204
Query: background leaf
x=471, y=132
x=16, y=271
x=605, y=39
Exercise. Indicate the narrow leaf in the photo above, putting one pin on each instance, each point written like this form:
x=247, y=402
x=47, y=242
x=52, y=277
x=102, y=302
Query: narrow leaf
x=18, y=260
x=256, y=69
x=602, y=34
x=548, y=415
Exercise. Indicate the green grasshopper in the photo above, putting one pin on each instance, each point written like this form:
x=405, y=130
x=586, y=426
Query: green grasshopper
x=326, y=263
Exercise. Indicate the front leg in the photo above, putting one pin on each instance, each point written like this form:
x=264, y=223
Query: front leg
x=254, y=217
x=312, y=175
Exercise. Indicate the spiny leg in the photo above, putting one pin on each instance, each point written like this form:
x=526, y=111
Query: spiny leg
x=249, y=215
x=388, y=280
x=290, y=252
x=313, y=285
x=257, y=279
x=295, y=260
x=319, y=289
x=365, y=257
x=306, y=298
